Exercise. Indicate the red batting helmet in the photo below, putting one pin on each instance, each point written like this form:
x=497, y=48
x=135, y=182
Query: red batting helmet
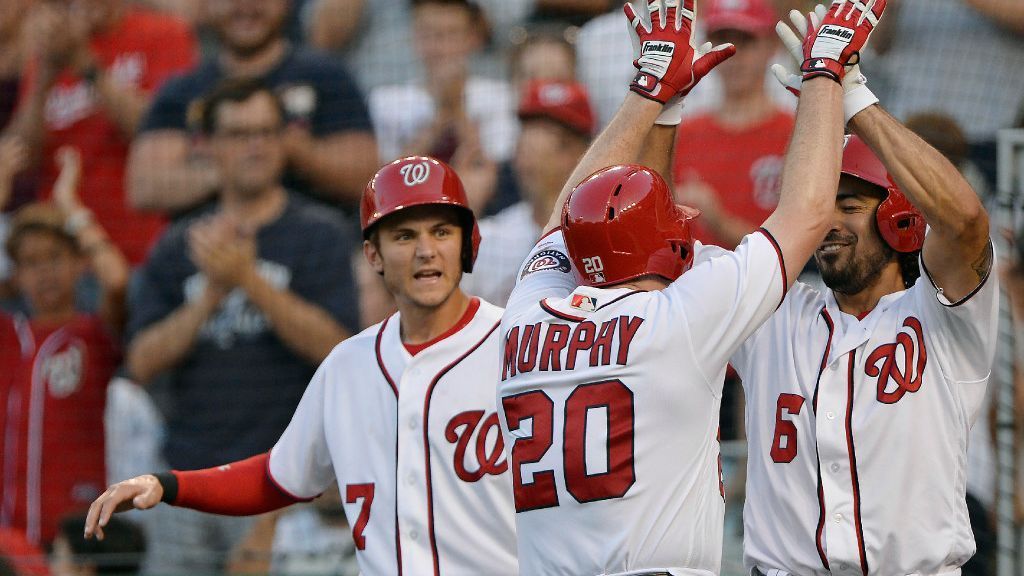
x=419, y=181
x=620, y=223
x=900, y=224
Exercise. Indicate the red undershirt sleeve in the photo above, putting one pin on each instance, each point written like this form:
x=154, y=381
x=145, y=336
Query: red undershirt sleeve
x=240, y=488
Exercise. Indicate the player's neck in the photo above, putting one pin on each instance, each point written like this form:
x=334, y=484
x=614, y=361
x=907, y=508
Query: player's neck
x=644, y=284
x=890, y=280
x=420, y=324
x=740, y=111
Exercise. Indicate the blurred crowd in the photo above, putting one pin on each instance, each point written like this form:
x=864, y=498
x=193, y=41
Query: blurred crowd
x=180, y=182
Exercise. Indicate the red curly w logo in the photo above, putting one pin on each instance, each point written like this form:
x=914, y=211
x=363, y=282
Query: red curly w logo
x=490, y=460
x=883, y=363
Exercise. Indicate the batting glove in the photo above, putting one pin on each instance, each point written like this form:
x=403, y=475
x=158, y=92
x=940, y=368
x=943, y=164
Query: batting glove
x=661, y=45
x=836, y=44
x=705, y=59
x=856, y=94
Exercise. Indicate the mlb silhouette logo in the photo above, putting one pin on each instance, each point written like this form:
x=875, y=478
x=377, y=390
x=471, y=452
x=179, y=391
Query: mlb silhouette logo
x=582, y=302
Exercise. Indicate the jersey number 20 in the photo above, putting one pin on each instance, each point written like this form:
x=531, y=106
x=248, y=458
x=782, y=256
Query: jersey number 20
x=614, y=482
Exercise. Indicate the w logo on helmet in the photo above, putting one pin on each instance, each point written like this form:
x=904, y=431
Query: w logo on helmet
x=414, y=174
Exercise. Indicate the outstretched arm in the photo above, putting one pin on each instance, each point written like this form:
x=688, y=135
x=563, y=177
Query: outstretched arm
x=832, y=41
x=668, y=67
x=957, y=250
x=242, y=488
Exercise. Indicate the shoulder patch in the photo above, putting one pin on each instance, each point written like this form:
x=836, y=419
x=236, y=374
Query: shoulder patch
x=546, y=260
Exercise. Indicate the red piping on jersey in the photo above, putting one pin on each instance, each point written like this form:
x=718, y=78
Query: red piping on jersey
x=853, y=468
x=467, y=316
x=387, y=378
x=782, y=263
x=285, y=491
x=969, y=295
x=814, y=407
x=426, y=442
x=562, y=315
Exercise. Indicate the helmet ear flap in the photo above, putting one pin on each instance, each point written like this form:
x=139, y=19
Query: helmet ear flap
x=901, y=226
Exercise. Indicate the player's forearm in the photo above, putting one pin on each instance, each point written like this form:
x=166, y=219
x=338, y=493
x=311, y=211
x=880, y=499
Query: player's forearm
x=339, y=165
x=925, y=176
x=166, y=343
x=162, y=176
x=242, y=488
x=305, y=328
x=810, y=175
x=619, y=143
x=657, y=151
x=1006, y=13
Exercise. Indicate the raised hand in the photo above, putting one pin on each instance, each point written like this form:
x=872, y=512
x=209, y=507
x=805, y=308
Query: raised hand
x=662, y=48
x=837, y=42
x=856, y=95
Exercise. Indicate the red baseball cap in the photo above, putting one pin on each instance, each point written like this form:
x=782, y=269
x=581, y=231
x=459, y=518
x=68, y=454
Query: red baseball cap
x=563, y=102
x=756, y=17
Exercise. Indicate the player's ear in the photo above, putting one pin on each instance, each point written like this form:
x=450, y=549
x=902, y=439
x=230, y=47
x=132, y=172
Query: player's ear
x=371, y=250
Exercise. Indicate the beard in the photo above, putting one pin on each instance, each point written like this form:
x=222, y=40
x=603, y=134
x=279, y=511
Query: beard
x=849, y=272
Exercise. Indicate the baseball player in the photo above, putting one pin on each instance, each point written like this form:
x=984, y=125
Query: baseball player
x=860, y=398
x=617, y=335
x=402, y=415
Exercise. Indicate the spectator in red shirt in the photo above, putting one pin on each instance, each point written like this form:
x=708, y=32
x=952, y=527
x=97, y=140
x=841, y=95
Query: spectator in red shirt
x=55, y=362
x=729, y=160
x=94, y=64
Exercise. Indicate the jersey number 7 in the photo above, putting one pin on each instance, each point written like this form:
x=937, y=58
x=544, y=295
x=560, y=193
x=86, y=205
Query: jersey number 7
x=619, y=474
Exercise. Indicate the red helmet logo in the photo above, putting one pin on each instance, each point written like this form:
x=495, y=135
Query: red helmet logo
x=419, y=181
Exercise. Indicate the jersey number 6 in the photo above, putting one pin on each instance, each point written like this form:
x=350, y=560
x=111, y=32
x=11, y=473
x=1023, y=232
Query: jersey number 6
x=784, y=444
x=619, y=474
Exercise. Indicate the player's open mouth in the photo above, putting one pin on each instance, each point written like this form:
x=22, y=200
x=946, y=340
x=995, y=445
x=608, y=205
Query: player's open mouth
x=427, y=275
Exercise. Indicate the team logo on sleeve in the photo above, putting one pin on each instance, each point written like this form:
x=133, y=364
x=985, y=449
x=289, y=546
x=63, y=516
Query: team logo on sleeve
x=899, y=365
x=546, y=260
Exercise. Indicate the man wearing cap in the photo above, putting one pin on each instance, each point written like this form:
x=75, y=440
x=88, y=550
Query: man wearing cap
x=557, y=125
x=729, y=159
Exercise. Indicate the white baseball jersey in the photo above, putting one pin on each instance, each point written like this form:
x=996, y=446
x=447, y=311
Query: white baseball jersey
x=414, y=444
x=857, y=431
x=610, y=399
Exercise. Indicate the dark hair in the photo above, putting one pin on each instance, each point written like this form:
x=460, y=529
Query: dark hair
x=910, y=267
x=120, y=552
x=234, y=91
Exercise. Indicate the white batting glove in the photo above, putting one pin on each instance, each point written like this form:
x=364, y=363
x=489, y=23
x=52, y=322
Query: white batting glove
x=856, y=94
